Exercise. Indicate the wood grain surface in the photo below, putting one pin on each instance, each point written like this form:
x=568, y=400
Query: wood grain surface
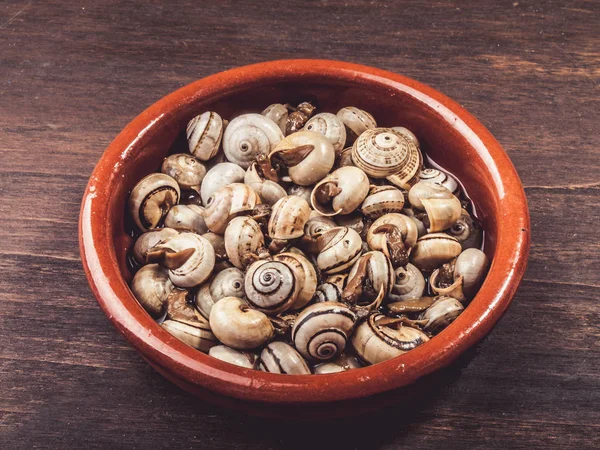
x=74, y=73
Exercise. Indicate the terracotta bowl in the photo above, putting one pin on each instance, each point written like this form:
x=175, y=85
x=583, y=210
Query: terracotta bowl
x=448, y=134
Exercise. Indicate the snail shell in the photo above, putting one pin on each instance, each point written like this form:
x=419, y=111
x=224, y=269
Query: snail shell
x=198, y=336
x=407, y=235
x=314, y=227
x=248, y=136
x=321, y=330
x=328, y=292
x=356, y=121
x=269, y=191
x=467, y=231
x=219, y=176
x=382, y=200
x=279, y=357
x=243, y=238
x=409, y=134
x=228, y=202
x=381, y=152
x=356, y=221
x=340, y=364
x=204, y=133
x=198, y=265
x=471, y=265
x=374, y=342
x=433, y=250
x=288, y=217
x=151, y=199
x=441, y=314
x=422, y=229
x=330, y=126
x=278, y=113
x=271, y=286
x=238, y=326
x=339, y=279
x=409, y=284
x=379, y=277
x=218, y=243
x=185, y=169
x=151, y=287
x=300, y=191
x=339, y=248
x=180, y=309
x=148, y=240
x=442, y=207
x=439, y=177
x=227, y=283
x=186, y=218
x=232, y=356
x=315, y=164
x=304, y=274
x=341, y=192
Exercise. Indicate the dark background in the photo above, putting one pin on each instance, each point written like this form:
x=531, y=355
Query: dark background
x=74, y=73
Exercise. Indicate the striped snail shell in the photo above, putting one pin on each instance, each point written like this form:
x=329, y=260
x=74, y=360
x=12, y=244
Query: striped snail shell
x=394, y=234
x=356, y=121
x=437, y=176
x=441, y=314
x=330, y=126
x=321, y=330
x=228, y=202
x=185, y=169
x=468, y=272
x=198, y=335
x=442, y=207
x=328, y=292
x=287, y=220
x=278, y=113
x=279, y=357
x=151, y=287
x=148, y=240
x=340, y=192
x=204, y=133
x=243, y=239
x=314, y=227
x=382, y=200
x=305, y=275
x=151, y=198
x=375, y=342
x=376, y=279
x=409, y=284
x=248, y=136
x=269, y=191
x=271, y=286
x=339, y=248
x=342, y=363
x=233, y=356
x=219, y=176
x=186, y=218
x=409, y=134
x=381, y=152
x=468, y=232
x=226, y=283
x=433, y=250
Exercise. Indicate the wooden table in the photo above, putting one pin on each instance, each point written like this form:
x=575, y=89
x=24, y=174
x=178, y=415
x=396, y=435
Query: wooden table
x=74, y=73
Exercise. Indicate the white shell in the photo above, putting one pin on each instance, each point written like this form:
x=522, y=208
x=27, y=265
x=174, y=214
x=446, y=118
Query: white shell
x=248, y=136
x=340, y=364
x=268, y=190
x=300, y=191
x=441, y=314
x=198, y=336
x=437, y=176
x=407, y=228
x=151, y=287
x=271, y=286
x=228, y=202
x=185, y=169
x=382, y=200
x=204, y=133
x=219, y=176
x=433, y=250
x=354, y=185
x=151, y=198
x=305, y=275
x=226, y=283
x=232, y=356
x=321, y=330
x=148, y=240
x=409, y=284
x=279, y=357
x=278, y=113
x=330, y=126
x=186, y=218
x=340, y=247
x=356, y=121
x=243, y=237
x=471, y=265
x=288, y=217
x=409, y=134
x=442, y=207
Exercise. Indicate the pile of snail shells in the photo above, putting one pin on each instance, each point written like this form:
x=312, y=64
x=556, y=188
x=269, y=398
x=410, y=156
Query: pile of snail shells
x=298, y=242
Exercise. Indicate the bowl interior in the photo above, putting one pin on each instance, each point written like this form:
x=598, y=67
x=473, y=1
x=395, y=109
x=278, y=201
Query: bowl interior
x=440, y=141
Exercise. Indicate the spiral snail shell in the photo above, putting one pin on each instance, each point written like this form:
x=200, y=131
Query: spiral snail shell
x=342, y=363
x=148, y=240
x=271, y=286
x=239, y=326
x=330, y=126
x=243, y=241
x=243, y=359
x=308, y=155
x=409, y=134
x=370, y=280
x=151, y=287
x=198, y=335
x=321, y=330
x=228, y=202
x=304, y=274
x=227, y=283
x=279, y=357
x=151, y=199
x=433, y=250
x=341, y=192
x=356, y=121
x=300, y=191
x=269, y=191
x=441, y=314
x=185, y=169
x=288, y=217
x=442, y=207
x=204, y=133
x=393, y=234
x=339, y=248
x=248, y=136
x=466, y=274
x=374, y=341
x=327, y=292
x=382, y=200
x=314, y=227
x=430, y=175
x=219, y=176
x=467, y=231
x=189, y=257
x=278, y=113
x=409, y=283
x=186, y=218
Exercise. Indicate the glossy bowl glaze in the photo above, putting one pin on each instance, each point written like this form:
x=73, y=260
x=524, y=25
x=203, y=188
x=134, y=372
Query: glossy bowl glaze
x=448, y=134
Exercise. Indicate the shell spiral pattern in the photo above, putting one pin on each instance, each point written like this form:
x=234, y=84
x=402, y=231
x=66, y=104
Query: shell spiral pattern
x=271, y=286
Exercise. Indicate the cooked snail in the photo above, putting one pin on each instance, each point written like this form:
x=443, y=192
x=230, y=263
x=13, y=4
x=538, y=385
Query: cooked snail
x=395, y=235
x=278, y=113
x=151, y=287
x=227, y=283
x=409, y=134
x=185, y=169
x=467, y=231
x=330, y=126
x=382, y=200
x=433, y=250
x=244, y=241
x=232, y=356
x=442, y=207
x=304, y=274
x=370, y=280
x=341, y=192
x=148, y=240
x=228, y=202
x=441, y=314
x=221, y=175
x=339, y=248
x=279, y=357
x=198, y=336
x=288, y=217
x=151, y=199
x=204, y=133
x=460, y=279
x=298, y=117
x=269, y=191
x=340, y=364
x=409, y=283
x=271, y=286
x=439, y=177
x=186, y=218
x=314, y=227
x=356, y=121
